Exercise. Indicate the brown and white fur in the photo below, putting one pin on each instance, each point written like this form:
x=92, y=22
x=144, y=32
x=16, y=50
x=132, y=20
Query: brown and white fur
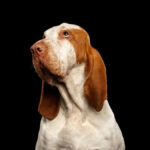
x=74, y=106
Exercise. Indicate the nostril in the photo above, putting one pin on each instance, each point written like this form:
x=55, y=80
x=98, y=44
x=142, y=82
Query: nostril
x=39, y=49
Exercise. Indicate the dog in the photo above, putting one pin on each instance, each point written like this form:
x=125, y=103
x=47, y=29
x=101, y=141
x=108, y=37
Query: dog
x=75, y=111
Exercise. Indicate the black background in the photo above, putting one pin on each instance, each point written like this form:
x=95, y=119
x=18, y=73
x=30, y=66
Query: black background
x=112, y=31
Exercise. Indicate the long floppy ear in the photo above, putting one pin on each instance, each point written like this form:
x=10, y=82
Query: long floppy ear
x=49, y=102
x=95, y=86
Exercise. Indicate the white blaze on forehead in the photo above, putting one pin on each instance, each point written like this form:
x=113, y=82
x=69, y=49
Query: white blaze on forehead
x=54, y=30
x=51, y=33
x=70, y=26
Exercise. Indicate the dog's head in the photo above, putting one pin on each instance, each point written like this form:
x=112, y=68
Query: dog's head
x=62, y=48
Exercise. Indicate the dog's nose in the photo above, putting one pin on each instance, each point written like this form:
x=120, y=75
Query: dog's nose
x=38, y=48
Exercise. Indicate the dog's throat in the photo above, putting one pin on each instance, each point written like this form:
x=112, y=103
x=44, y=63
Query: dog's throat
x=72, y=91
x=67, y=98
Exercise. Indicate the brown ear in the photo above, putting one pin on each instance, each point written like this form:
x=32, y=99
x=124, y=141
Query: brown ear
x=95, y=86
x=49, y=102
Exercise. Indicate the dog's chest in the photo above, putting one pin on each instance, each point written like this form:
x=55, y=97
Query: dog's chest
x=78, y=132
x=73, y=136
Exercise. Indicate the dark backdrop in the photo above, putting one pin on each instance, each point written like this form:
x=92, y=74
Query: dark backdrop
x=111, y=31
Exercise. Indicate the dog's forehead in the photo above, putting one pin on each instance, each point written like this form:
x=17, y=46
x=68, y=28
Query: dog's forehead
x=70, y=26
x=64, y=26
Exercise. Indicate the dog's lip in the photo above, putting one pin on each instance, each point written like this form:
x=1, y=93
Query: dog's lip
x=44, y=72
x=35, y=54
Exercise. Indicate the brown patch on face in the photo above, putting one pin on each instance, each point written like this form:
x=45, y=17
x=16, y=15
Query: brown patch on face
x=79, y=40
x=81, y=44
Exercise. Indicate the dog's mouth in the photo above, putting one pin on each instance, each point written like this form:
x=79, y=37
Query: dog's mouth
x=45, y=73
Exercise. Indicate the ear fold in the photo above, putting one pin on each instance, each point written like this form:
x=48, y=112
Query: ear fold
x=95, y=86
x=49, y=102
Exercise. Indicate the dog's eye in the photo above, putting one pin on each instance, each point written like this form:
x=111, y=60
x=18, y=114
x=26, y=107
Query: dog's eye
x=65, y=33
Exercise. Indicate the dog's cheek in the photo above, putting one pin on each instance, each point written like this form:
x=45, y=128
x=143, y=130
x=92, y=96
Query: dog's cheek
x=71, y=57
x=53, y=64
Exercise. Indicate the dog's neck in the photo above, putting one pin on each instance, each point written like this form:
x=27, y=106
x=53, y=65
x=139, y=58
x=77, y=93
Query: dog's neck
x=72, y=91
x=73, y=100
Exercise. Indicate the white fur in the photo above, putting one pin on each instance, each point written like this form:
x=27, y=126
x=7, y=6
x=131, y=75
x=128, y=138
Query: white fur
x=70, y=26
x=78, y=126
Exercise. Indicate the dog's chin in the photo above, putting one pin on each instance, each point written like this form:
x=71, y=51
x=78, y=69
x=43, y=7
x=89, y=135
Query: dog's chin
x=46, y=75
